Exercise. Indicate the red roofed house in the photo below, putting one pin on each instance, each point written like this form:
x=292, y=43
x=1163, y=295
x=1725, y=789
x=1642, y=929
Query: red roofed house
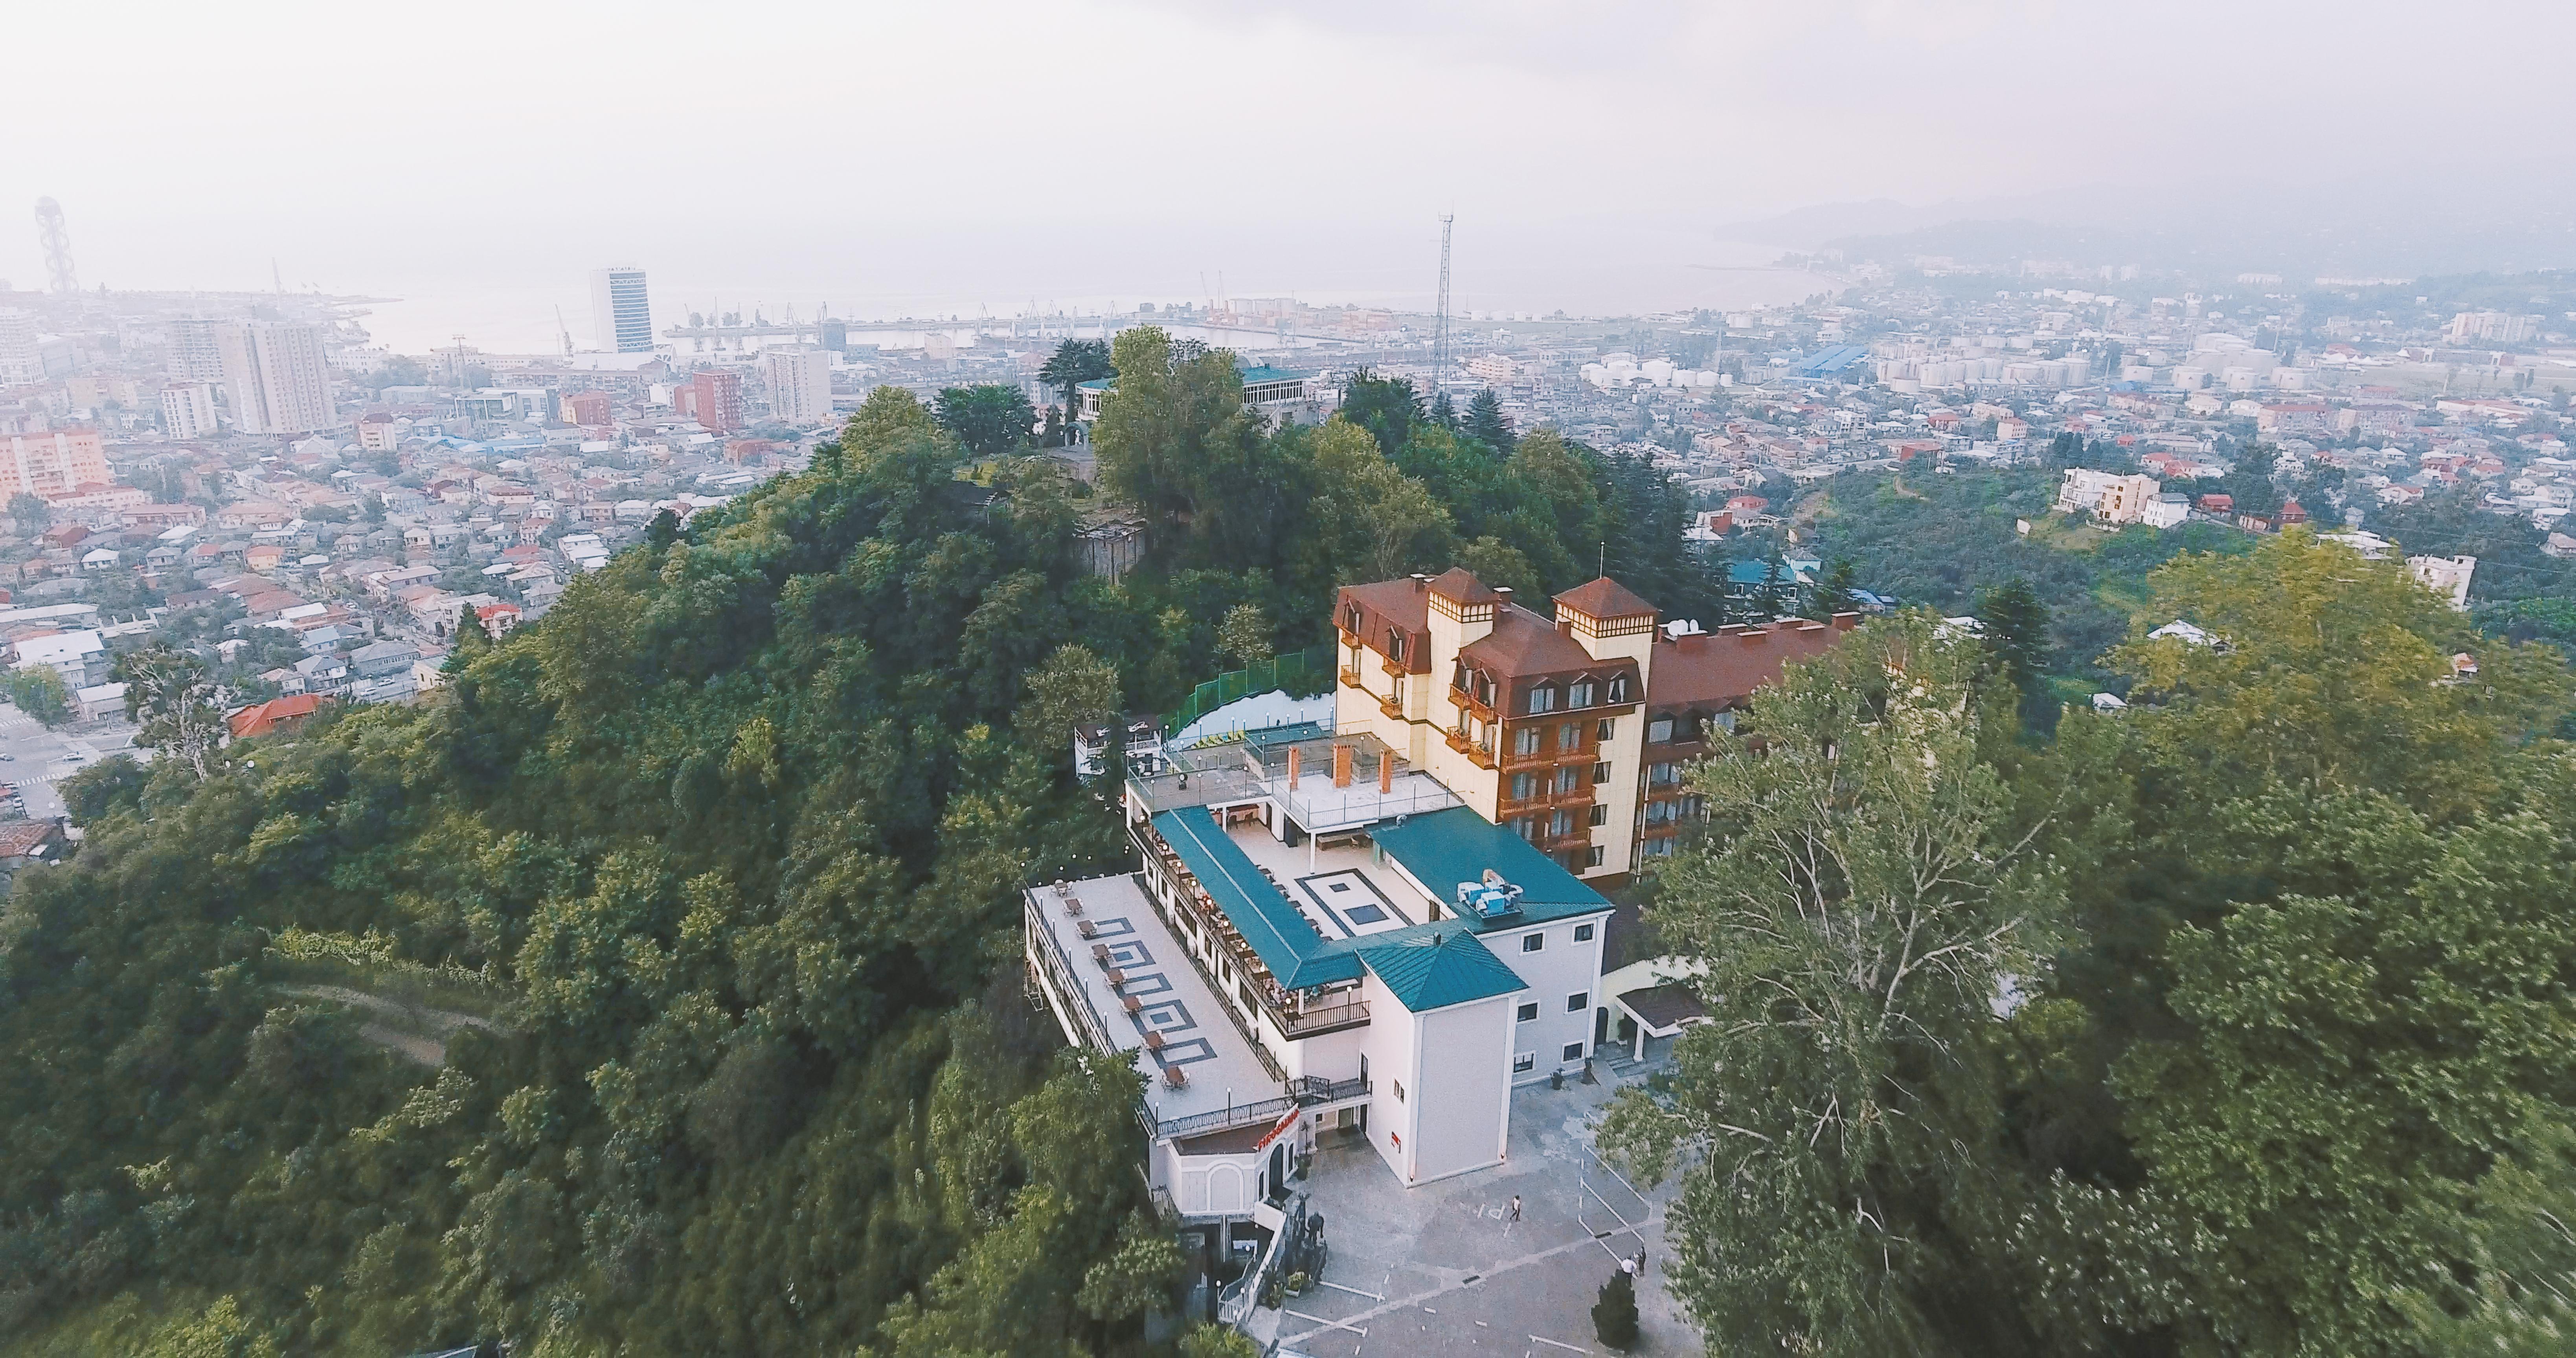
x=275, y=715
x=497, y=619
x=2215, y=503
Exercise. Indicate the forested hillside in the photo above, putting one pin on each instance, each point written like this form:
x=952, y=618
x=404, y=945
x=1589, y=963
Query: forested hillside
x=702, y=892
x=2240, y=1022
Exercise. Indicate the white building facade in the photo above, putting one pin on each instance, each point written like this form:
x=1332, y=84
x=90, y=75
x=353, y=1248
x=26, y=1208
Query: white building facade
x=800, y=383
x=275, y=377
x=188, y=410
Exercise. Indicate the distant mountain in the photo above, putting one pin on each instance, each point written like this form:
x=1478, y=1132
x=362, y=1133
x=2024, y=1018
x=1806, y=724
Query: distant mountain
x=2403, y=221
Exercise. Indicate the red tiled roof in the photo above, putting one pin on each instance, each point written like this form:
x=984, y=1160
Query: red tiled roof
x=1523, y=643
x=1461, y=584
x=1718, y=668
x=25, y=837
x=1603, y=598
x=261, y=719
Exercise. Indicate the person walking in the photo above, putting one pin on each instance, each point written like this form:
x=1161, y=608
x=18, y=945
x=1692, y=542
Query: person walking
x=1516, y=1207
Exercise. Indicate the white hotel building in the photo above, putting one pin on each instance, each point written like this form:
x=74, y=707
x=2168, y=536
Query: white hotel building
x=1327, y=939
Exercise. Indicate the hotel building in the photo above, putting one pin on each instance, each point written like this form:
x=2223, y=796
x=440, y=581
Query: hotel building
x=1380, y=927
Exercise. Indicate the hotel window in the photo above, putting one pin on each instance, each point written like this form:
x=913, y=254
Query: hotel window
x=1560, y=823
x=1523, y=1062
x=1601, y=813
x=1533, y=942
x=1573, y=1051
x=1595, y=856
x=1568, y=780
x=1583, y=933
x=1659, y=730
x=1528, y=1012
x=1399, y=1090
x=1525, y=826
x=1619, y=689
x=1569, y=736
x=1662, y=775
x=1726, y=722
x=1524, y=786
x=1579, y=694
x=1542, y=699
x=1574, y=1003
x=1604, y=729
x=1525, y=740
x=1458, y=677
x=1395, y=645
x=1600, y=774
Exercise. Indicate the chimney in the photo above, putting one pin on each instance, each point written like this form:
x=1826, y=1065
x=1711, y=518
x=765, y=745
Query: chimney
x=1844, y=622
x=1293, y=752
x=1341, y=766
x=1755, y=636
x=1386, y=771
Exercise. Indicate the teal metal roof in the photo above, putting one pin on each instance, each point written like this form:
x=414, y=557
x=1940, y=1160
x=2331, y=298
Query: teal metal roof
x=1265, y=373
x=1445, y=848
x=1433, y=966
x=1297, y=956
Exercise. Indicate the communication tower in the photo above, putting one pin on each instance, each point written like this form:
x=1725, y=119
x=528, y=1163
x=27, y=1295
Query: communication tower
x=58, y=245
x=1440, y=318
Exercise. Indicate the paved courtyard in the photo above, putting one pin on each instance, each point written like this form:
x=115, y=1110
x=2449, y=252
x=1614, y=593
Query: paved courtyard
x=1442, y=1269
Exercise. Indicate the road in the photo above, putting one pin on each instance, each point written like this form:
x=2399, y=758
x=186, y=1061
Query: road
x=35, y=758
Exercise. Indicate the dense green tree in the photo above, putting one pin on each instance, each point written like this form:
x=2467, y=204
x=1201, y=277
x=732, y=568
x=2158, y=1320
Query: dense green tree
x=1372, y=521
x=1244, y=636
x=1871, y=891
x=113, y=783
x=1387, y=407
x=2013, y=621
x=29, y=511
x=1074, y=362
x=1485, y=422
x=1614, y=1312
x=168, y=695
x=1834, y=591
x=39, y=691
x=991, y=419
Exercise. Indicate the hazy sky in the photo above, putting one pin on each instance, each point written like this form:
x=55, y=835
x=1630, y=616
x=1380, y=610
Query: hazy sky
x=950, y=153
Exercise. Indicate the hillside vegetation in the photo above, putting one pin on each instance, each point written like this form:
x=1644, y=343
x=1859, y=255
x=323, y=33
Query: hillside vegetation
x=654, y=987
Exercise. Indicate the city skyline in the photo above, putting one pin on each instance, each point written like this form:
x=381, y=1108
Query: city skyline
x=1691, y=118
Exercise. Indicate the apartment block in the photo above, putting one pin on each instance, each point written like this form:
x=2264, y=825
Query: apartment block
x=53, y=465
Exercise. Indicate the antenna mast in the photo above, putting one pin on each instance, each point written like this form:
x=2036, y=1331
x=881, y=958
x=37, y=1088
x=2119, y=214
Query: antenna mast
x=1440, y=320
x=58, y=245
x=565, y=330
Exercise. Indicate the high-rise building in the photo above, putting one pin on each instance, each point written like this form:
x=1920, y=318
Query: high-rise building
x=589, y=409
x=800, y=384
x=713, y=397
x=621, y=317
x=193, y=355
x=188, y=410
x=54, y=465
x=21, y=360
x=274, y=377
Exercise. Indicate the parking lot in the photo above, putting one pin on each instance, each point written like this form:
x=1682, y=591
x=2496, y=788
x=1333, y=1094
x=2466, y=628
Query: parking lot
x=1443, y=1269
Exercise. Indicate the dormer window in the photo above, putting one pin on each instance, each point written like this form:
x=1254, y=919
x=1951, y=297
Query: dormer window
x=1579, y=693
x=1619, y=688
x=1395, y=645
x=1458, y=677
x=1542, y=699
